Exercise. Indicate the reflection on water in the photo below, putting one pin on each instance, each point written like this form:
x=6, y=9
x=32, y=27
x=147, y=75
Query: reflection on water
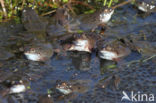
x=81, y=61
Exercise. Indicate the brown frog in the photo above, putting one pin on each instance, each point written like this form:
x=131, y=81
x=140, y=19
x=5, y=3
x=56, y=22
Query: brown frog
x=113, y=50
x=146, y=5
x=15, y=84
x=75, y=86
x=62, y=16
x=91, y=21
x=34, y=24
x=81, y=42
x=38, y=51
x=63, y=21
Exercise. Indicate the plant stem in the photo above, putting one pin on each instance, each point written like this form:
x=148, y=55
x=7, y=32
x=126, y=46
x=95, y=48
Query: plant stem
x=105, y=2
x=110, y=3
x=47, y=13
x=23, y=4
x=4, y=9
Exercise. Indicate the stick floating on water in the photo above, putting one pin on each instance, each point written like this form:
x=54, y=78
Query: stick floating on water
x=121, y=4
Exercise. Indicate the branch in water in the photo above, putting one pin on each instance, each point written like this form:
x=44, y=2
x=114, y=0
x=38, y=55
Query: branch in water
x=121, y=4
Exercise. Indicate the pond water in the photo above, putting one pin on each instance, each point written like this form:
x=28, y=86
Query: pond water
x=101, y=81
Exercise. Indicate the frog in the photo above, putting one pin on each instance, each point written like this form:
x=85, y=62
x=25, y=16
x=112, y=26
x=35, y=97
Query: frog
x=64, y=88
x=34, y=24
x=146, y=5
x=99, y=17
x=73, y=86
x=58, y=22
x=15, y=84
x=113, y=50
x=65, y=22
x=84, y=42
x=32, y=21
x=38, y=51
x=62, y=16
x=36, y=48
x=62, y=21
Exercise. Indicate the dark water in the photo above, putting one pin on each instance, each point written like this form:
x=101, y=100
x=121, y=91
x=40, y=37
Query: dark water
x=107, y=79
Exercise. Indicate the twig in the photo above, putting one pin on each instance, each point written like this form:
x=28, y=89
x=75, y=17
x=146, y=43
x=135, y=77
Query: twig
x=70, y=8
x=47, y=13
x=144, y=60
x=23, y=4
x=121, y=4
x=149, y=58
x=131, y=62
x=4, y=9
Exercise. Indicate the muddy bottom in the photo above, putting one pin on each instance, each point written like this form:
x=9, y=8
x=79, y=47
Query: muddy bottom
x=95, y=80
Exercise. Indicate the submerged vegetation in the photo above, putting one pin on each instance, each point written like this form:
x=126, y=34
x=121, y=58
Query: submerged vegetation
x=12, y=8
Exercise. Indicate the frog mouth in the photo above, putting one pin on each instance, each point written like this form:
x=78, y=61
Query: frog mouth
x=64, y=89
x=17, y=88
x=80, y=45
x=145, y=7
x=33, y=56
x=108, y=55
